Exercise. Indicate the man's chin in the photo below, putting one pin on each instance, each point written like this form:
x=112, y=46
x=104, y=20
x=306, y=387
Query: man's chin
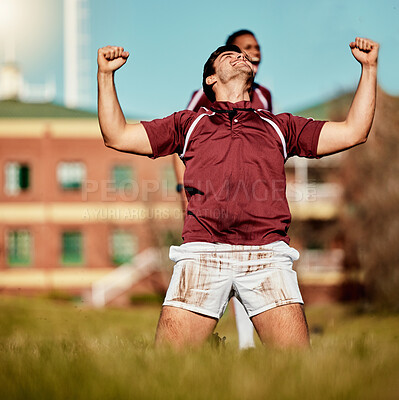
x=244, y=67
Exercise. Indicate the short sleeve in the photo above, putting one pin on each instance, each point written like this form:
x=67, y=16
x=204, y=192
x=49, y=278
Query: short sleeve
x=167, y=135
x=301, y=135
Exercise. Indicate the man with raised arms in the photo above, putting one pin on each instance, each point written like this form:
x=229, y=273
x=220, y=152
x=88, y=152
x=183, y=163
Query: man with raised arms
x=260, y=97
x=235, y=233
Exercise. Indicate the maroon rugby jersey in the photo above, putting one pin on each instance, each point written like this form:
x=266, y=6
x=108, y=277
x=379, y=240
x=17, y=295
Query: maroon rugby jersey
x=234, y=180
x=260, y=98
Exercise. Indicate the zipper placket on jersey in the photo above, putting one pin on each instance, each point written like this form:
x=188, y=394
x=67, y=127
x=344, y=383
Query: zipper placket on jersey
x=234, y=126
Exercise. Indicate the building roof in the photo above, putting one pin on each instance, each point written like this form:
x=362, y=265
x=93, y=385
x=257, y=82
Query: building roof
x=17, y=109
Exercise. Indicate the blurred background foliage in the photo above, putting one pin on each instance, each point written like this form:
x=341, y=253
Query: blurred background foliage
x=370, y=220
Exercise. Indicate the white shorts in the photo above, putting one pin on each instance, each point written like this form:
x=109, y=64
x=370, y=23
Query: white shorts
x=207, y=275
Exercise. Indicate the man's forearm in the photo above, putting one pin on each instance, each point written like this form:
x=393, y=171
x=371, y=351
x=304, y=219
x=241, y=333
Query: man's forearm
x=130, y=138
x=338, y=136
x=110, y=115
x=361, y=113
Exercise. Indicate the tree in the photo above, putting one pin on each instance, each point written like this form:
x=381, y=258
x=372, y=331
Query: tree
x=371, y=211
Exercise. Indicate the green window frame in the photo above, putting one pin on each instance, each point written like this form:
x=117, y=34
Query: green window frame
x=122, y=176
x=19, y=248
x=72, y=248
x=17, y=178
x=71, y=175
x=123, y=247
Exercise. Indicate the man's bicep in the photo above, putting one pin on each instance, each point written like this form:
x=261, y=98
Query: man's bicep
x=334, y=137
x=135, y=140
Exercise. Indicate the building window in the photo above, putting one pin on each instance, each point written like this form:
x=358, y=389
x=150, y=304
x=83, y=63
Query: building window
x=19, y=248
x=122, y=176
x=123, y=247
x=17, y=178
x=72, y=248
x=71, y=175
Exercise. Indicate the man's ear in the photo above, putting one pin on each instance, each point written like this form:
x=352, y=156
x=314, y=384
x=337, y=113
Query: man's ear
x=210, y=80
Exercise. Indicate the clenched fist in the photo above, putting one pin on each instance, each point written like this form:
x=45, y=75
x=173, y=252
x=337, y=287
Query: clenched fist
x=365, y=51
x=111, y=58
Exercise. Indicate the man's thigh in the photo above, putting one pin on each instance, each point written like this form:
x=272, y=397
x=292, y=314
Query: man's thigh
x=178, y=327
x=284, y=326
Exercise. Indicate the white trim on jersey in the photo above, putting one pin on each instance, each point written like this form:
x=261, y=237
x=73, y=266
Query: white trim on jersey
x=195, y=99
x=277, y=129
x=190, y=131
x=262, y=99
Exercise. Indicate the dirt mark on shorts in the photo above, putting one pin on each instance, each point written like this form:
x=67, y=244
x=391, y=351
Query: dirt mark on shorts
x=193, y=286
x=257, y=267
x=263, y=255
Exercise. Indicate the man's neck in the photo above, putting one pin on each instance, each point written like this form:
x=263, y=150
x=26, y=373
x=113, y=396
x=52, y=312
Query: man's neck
x=232, y=93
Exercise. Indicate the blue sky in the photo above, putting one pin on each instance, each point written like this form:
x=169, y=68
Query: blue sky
x=306, y=57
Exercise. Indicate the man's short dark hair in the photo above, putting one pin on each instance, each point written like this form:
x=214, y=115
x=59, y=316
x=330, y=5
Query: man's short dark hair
x=210, y=70
x=235, y=35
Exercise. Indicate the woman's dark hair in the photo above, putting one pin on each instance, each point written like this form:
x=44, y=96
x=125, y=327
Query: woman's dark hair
x=235, y=35
x=210, y=70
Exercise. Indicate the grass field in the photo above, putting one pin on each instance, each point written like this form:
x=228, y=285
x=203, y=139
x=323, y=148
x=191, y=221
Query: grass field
x=54, y=350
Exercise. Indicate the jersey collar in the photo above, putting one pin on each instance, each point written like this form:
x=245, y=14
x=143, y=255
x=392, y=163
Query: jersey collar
x=227, y=106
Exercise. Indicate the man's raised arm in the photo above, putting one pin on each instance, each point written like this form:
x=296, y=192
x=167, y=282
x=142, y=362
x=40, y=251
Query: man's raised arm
x=338, y=136
x=118, y=134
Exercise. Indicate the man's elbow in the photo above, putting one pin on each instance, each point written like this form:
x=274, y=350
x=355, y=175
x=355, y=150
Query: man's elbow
x=362, y=138
x=358, y=137
x=107, y=142
x=110, y=139
x=113, y=145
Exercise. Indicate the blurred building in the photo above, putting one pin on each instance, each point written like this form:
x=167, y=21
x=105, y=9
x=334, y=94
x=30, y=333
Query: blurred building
x=71, y=210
